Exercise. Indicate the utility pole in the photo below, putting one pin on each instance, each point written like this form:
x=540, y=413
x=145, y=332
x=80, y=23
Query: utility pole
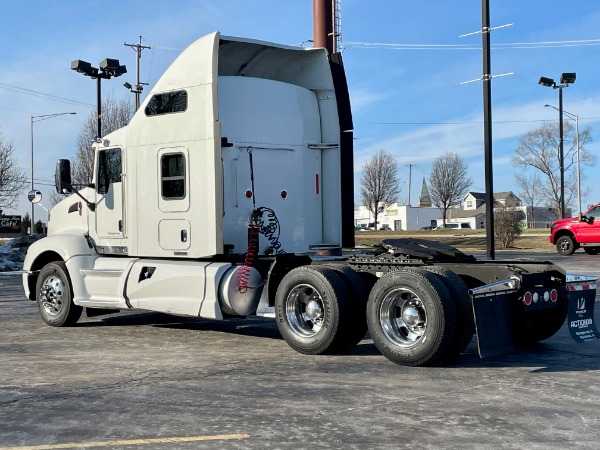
x=409, y=180
x=487, y=129
x=487, y=122
x=137, y=89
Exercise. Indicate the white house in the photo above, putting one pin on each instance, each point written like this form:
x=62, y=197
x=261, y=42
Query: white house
x=398, y=217
x=401, y=217
x=472, y=211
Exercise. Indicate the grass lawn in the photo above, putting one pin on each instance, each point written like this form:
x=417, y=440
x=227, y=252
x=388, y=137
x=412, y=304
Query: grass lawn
x=465, y=240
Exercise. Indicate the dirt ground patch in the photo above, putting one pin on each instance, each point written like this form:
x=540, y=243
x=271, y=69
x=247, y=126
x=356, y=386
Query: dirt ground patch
x=473, y=241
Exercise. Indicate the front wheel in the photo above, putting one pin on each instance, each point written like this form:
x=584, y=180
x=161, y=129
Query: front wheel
x=54, y=296
x=565, y=245
x=411, y=317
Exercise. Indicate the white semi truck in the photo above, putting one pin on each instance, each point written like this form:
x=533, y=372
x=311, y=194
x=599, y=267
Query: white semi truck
x=229, y=194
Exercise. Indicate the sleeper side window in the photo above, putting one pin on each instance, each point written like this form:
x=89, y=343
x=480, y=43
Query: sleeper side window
x=167, y=103
x=173, y=176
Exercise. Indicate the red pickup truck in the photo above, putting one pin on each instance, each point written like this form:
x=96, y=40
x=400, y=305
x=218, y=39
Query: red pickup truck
x=584, y=231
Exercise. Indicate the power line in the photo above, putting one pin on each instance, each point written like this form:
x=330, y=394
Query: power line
x=515, y=45
x=39, y=94
x=466, y=123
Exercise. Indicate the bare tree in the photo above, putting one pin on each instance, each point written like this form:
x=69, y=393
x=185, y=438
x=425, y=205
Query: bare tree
x=539, y=149
x=116, y=114
x=12, y=178
x=379, y=186
x=449, y=181
x=530, y=192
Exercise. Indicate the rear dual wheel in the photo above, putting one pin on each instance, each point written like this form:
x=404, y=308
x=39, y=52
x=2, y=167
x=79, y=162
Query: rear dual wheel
x=465, y=322
x=412, y=317
x=313, y=310
x=359, y=293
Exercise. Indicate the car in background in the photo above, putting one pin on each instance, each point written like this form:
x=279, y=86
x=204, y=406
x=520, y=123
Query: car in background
x=364, y=227
x=454, y=226
x=577, y=232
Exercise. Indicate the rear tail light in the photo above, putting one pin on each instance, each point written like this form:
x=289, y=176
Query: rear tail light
x=535, y=297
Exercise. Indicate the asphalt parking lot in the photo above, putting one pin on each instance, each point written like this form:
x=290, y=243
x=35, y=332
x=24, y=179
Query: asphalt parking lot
x=150, y=381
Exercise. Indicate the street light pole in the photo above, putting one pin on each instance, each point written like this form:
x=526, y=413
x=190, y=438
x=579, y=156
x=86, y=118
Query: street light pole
x=578, y=171
x=99, y=106
x=107, y=69
x=561, y=153
x=576, y=118
x=34, y=119
x=565, y=80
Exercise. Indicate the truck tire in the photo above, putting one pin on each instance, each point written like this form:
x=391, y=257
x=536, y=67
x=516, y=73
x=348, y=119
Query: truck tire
x=54, y=296
x=313, y=310
x=359, y=294
x=465, y=322
x=591, y=250
x=565, y=245
x=411, y=317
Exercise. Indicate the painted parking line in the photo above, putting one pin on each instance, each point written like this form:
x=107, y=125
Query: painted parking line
x=214, y=437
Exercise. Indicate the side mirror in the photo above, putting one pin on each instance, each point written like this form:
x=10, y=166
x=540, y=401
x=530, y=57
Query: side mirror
x=34, y=196
x=62, y=177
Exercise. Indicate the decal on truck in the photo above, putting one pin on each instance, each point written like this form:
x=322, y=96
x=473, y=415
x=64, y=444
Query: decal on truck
x=582, y=299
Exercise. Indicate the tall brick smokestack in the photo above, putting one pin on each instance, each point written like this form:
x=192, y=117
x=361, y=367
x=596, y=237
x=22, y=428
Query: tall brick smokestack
x=323, y=24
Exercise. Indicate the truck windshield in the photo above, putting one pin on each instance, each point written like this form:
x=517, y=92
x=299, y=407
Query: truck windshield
x=594, y=212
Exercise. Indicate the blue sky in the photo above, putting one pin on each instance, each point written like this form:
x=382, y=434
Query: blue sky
x=408, y=102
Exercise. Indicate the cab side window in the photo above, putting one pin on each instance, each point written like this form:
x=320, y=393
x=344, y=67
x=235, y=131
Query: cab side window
x=109, y=169
x=595, y=213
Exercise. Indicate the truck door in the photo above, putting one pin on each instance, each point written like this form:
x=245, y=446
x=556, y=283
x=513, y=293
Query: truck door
x=589, y=231
x=110, y=222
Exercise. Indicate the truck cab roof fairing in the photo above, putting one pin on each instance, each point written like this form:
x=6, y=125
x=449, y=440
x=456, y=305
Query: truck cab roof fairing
x=249, y=58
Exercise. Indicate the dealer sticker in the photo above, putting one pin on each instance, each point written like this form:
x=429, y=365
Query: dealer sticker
x=581, y=314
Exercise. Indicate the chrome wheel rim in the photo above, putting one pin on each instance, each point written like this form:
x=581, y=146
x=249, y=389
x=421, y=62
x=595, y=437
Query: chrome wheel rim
x=51, y=295
x=403, y=317
x=305, y=310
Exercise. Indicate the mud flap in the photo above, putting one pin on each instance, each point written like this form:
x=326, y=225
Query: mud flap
x=493, y=319
x=582, y=299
